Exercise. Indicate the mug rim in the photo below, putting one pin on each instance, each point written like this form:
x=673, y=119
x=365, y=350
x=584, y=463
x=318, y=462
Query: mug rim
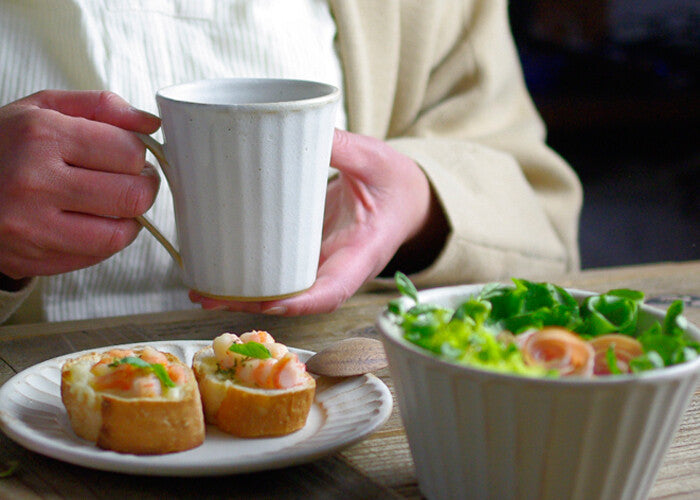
x=325, y=94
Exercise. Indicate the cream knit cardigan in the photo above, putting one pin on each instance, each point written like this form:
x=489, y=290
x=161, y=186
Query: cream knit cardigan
x=441, y=81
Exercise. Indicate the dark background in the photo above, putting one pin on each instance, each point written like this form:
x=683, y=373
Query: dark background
x=618, y=85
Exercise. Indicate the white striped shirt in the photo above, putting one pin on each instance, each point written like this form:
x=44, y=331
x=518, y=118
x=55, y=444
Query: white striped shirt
x=134, y=47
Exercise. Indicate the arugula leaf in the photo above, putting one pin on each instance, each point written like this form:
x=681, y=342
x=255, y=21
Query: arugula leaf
x=405, y=286
x=394, y=306
x=251, y=350
x=613, y=312
x=669, y=341
x=648, y=361
x=626, y=293
x=674, y=324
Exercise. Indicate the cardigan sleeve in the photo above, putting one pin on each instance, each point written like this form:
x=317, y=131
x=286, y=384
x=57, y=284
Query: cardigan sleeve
x=463, y=113
x=10, y=301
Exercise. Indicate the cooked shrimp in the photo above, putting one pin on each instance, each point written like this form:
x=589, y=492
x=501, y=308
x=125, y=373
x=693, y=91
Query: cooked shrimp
x=132, y=381
x=624, y=347
x=228, y=359
x=113, y=354
x=102, y=366
x=119, y=378
x=259, y=336
x=150, y=355
x=224, y=357
x=177, y=373
x=255, y=372
x=276, y=349
x=289, y=371
x=280, y=371
x=148, y=386
x=559, y=349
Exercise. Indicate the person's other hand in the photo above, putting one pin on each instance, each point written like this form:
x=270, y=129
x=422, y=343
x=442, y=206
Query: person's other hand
x=380, y=201
x=72, y=178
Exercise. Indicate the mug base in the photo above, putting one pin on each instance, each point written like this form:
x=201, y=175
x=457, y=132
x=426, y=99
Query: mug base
x=235, y=298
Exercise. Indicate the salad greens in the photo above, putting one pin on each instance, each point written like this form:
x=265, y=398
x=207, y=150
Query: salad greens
x=475, y=332
x=463, y=335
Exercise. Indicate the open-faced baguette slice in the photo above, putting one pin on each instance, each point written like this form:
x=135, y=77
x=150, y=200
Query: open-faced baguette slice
x=250, y=411
x=170, y=422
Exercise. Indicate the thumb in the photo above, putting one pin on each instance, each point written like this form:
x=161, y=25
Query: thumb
x=369, y=160
x=97, y=105
x=356, y=154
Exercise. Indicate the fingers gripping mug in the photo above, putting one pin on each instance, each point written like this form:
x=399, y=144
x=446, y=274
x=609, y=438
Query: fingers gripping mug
x=247, y=162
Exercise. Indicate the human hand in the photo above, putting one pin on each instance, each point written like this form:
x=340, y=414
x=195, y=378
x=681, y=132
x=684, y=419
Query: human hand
x=380, y=200
x=72, y=178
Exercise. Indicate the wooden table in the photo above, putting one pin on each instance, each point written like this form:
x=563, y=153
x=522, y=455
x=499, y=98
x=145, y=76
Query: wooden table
x=378, y=467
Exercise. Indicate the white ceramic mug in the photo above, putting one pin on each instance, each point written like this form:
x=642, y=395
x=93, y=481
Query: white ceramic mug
x=247, y=162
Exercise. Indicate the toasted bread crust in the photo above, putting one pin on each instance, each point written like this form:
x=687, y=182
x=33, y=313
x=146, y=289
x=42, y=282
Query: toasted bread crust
x=251, y=412
x=143, y=426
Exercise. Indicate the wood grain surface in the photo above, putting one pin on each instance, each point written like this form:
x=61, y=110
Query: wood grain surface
x=378, y=467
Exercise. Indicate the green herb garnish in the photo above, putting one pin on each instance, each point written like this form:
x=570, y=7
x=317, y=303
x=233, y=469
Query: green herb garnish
x=251, y=350
x=156, y=368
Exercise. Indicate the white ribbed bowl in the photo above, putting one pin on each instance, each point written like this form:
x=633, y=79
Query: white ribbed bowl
x=480, y=434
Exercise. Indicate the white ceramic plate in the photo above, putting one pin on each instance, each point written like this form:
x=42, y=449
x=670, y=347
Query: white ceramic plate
x=32, y=414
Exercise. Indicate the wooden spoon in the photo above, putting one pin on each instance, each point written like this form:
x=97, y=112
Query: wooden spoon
x=348, y=357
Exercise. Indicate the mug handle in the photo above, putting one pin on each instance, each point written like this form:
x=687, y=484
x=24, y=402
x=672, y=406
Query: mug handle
x=157, y=149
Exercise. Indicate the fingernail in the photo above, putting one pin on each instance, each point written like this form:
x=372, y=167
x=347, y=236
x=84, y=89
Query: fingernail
x=149, y=170
x=145, y=113
x=276, y=310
